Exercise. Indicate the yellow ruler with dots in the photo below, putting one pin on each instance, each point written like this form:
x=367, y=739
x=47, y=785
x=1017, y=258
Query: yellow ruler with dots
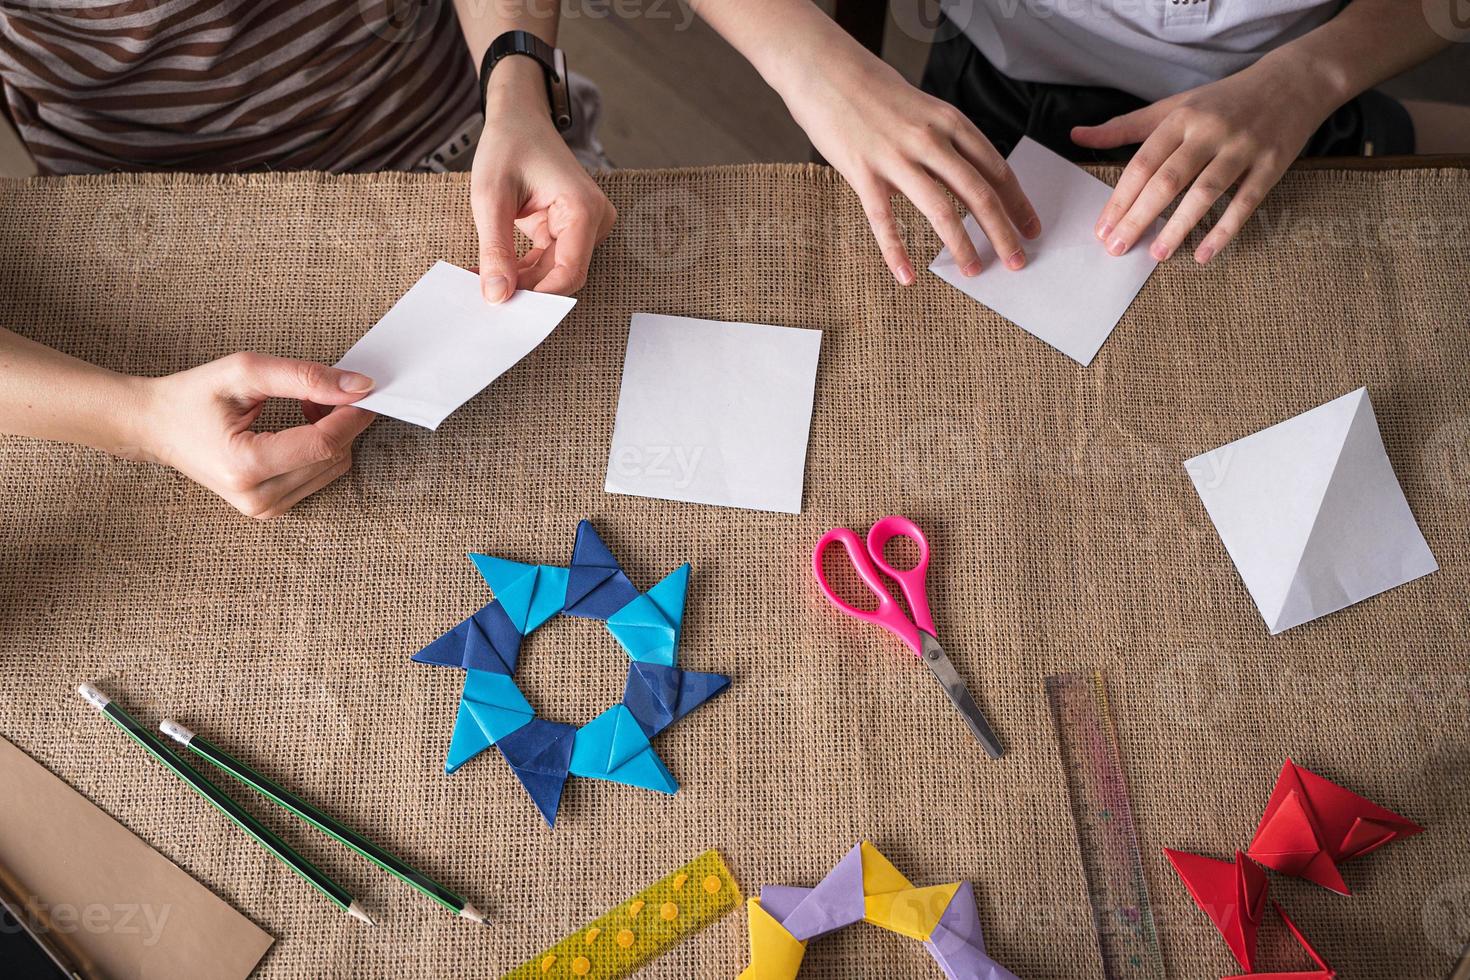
x=642, y=928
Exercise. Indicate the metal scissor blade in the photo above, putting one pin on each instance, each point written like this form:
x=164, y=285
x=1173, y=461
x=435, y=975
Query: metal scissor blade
x=939, y=664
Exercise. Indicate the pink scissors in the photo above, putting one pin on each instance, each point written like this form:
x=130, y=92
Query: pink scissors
x=918, y=633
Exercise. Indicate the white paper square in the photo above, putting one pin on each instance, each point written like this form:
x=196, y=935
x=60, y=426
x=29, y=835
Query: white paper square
x=1071, y=293
x=714, y=413
x=441, y=344
x=1311, y=512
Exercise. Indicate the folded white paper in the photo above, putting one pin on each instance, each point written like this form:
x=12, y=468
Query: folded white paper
x=1071, y=293
x=442, y=344
x=1311, y=512
x=714, y=413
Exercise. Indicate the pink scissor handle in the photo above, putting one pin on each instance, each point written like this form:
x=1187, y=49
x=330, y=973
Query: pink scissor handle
x=888, y=614
x=910, y=580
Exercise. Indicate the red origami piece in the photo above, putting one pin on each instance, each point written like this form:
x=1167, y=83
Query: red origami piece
x=1232, y=894
x=1312, y=824
x=1323, y=971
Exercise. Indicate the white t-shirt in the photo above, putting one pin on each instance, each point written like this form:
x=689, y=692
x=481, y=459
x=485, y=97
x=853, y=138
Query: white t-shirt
x=1151, y=48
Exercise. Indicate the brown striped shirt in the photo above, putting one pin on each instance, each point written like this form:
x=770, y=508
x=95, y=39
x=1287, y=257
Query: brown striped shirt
x=234, y=85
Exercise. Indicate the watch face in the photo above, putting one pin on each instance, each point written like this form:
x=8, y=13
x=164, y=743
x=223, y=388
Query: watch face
x=561, y=99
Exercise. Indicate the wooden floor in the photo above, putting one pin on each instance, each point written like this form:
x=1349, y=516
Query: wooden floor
x=675, y=94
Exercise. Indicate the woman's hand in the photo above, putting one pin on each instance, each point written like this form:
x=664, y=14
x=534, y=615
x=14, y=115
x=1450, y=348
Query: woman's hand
x=1241, y=131
x=524, y=176
x=886, y=137
x=198, y=421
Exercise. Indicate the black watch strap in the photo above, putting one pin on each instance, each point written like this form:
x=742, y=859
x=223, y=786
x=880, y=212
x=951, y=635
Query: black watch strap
x=552, y=60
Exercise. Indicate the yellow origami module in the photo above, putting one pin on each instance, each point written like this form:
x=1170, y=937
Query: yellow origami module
x=775, y=954
x=865, y=886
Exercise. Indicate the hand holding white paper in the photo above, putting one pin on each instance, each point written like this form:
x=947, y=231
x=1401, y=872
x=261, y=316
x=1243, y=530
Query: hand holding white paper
x=442, y=344
x=1071, y=293
x=1311, y=512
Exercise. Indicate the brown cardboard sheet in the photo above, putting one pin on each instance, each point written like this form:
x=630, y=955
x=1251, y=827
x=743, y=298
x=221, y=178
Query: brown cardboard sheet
x=123, y=909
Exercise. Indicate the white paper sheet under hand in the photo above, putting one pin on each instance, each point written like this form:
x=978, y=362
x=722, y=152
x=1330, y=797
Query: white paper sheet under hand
x=714, y=413
x=1311, y=512
x=442, y=344
x=1071, y=293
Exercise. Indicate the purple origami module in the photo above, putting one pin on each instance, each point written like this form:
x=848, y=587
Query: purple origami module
x=866, y=887
x=614, y=746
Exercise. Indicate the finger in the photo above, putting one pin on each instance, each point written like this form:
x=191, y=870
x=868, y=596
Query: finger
x=1140, y=170
x=259, y=376
x=268, y=493
x=934, y=204
x=1248, y=196
x=533, y=272
x=313, y=412
x=975, y=148
x=274, y=453
x=609, y=218
x=969, y=186
x=495, y=216
x=256, y=498
x=573, y=252
x=1167, y=183
x=326, y=475
x=1131, y=127
x=877, y=204
x=532, y=259
x=533, y=226
x=1214, y=181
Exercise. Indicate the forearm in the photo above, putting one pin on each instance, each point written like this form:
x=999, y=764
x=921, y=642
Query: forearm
x=50, y=395
x=1369, y=42
x=783, y=39
x=517, y=82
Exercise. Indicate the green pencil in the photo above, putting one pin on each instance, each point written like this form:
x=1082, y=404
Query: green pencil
x=262, y=834
x=321, y=821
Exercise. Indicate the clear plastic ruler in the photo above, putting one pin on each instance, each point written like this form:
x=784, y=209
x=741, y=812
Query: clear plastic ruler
x=1103, y=819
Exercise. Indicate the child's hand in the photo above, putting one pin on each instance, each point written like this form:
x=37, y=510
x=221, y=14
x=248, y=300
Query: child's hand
x=886, y=137
x=1243, y=130
x=198, y=421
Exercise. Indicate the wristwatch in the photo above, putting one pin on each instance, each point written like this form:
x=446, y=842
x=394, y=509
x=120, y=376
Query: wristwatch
x=552, y=60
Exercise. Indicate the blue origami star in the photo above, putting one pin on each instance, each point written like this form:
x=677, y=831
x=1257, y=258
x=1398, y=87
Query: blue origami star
x=615, y=745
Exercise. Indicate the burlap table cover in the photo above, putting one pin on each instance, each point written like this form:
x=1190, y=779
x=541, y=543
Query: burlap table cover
x=1066, y=537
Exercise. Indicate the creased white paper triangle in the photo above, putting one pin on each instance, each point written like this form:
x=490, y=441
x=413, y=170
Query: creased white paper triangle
x=1311, y=513
x=1263, y=492
x=1364, y=539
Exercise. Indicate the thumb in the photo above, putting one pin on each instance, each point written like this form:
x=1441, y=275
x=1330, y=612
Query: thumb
x=1124, y=130
x=495, y=215
x=262, y=376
